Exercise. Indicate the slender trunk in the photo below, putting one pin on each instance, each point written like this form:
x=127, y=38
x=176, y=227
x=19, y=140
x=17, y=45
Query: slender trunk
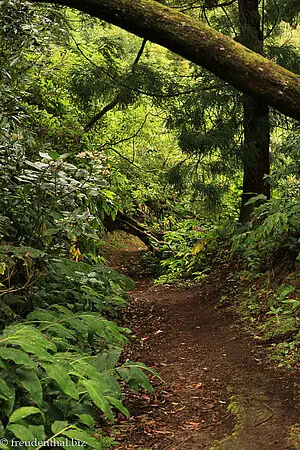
x=256, y=160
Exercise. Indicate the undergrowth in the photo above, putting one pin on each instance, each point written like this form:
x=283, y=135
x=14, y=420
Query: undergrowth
x=268, y=250
x=59, y=364
x=192, y=249
x=270, y=305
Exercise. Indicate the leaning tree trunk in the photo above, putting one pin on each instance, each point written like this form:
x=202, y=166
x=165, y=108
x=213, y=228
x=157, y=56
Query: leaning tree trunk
x=199, y=43
x=256, y=160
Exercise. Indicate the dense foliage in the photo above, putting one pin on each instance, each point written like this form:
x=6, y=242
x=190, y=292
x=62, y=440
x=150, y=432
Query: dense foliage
x=96, y=123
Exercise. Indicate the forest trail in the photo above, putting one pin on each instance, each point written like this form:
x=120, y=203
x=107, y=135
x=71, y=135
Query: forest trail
x=221, y=391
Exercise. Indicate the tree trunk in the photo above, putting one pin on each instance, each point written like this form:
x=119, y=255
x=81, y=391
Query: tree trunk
x=199, y=43
x=256, y=161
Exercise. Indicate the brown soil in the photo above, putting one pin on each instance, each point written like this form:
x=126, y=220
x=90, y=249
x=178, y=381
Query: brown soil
x=220, y=391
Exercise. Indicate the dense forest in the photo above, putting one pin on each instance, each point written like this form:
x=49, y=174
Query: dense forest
x=172, y=121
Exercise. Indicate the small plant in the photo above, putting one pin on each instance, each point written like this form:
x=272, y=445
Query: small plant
x=275, y=313
x=284, y=308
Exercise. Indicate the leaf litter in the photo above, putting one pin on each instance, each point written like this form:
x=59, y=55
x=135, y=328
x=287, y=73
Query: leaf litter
x=207, y=361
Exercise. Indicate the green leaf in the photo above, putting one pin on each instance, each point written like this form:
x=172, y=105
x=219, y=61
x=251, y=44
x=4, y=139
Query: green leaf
x=63, y=309
x=22, y=251
x=10, y=403
x=2, y=268
x=51, y=231
x=113, y=385
x=119, y=405
x=60, y=331
x=143, y=366
x=64, y=156
x=30, y=381
x=85, y=369
x=58, y=373
x=54, y=155
x=21, y=432
x=18, y=356
x=108, y=359
x=58, y=426
x=135, y=377
x=4, y=390
x=107, y=329
x=127, y=376
x=284, y=291
x=23, y=412
x=95, y=389
x=1, y=428
x=31, y=340
x=294, y=303
x=84, y=437
x=42, y=315
x=255, y=199
x=38, y=431
x=3, y=364
x=87, y=420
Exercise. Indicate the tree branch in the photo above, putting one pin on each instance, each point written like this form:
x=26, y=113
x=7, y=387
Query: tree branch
x=109, y=146
x=118, y=97
x=193, y=5
x=102, y=113
x=270, y=31
x=249, y=72
x=135, y=89
x=221, y=5
x=139, y=55
x=129, y=137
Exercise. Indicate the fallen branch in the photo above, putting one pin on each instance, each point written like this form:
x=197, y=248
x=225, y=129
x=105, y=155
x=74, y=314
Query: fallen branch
x=268, y=418
x=151, y=238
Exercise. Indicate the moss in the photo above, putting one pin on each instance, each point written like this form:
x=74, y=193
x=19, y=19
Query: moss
x=294, y=436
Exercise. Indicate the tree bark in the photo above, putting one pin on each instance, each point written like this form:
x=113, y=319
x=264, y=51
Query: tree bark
x=229, y=60
x=256, y=160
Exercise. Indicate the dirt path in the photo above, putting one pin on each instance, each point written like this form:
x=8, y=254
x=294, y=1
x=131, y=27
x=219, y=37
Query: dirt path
x=221, y=392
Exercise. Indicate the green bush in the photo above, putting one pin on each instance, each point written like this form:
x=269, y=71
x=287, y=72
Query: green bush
x=275, y=226
x=60, y=364
x=57, y=368
x=191, y=248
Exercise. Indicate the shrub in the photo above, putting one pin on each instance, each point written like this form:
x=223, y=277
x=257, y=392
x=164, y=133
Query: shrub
x=275, y=226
